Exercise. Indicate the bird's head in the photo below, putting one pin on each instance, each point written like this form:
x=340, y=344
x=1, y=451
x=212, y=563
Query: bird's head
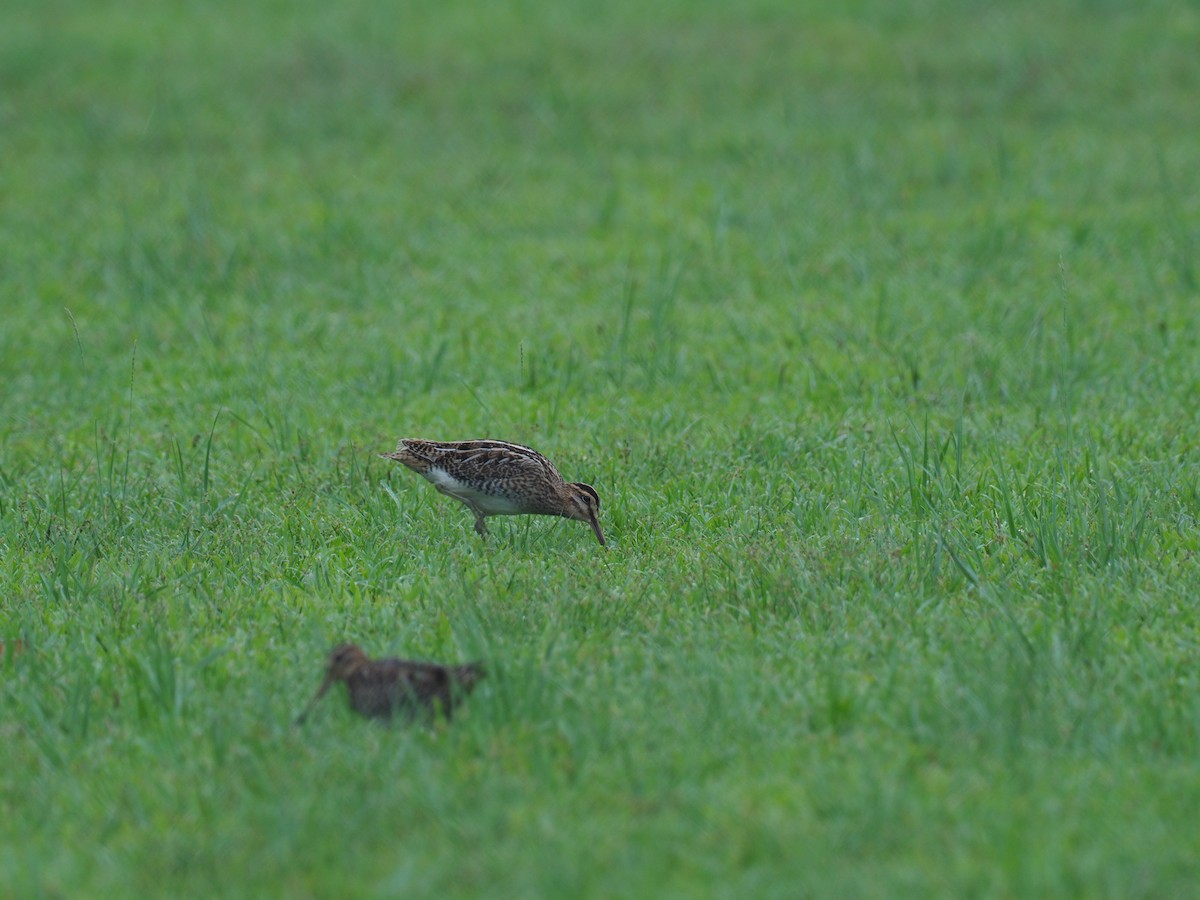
x=583, y=504
x=344, y=661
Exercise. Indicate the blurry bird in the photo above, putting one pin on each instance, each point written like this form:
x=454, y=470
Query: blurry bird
x=496, y=478
x=383, y=688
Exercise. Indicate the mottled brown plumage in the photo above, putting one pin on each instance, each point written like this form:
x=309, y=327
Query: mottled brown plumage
x=496, y=478
x=383, y=688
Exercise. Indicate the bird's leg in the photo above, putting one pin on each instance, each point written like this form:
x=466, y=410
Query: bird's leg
x=480, y=524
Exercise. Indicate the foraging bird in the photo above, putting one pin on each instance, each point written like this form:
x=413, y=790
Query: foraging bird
x=383, y=688
x=496, y=478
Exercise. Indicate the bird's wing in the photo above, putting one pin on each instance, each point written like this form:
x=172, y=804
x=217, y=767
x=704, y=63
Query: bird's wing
x=494, y=461
x=429, y=682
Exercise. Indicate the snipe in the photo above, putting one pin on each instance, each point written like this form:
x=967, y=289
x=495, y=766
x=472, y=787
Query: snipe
x=383, y=688
x=496, y=478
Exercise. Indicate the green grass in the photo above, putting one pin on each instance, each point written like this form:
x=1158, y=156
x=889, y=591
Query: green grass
x=874, y=326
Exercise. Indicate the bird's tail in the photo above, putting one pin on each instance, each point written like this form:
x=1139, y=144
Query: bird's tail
x=466, y=676
x=414, y=454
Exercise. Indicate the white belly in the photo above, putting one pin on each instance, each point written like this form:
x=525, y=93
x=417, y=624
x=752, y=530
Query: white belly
x=488, y=504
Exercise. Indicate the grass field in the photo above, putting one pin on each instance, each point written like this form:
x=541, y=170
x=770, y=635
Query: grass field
x=873, y=324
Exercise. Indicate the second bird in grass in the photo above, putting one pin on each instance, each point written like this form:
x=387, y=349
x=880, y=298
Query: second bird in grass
x=383, y=688
x=496, y=478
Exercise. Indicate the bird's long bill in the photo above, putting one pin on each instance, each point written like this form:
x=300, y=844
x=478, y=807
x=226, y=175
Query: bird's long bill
x=595, y=523
x=316, y=699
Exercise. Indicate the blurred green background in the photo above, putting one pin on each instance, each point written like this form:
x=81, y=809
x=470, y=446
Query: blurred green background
x=873, y=325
